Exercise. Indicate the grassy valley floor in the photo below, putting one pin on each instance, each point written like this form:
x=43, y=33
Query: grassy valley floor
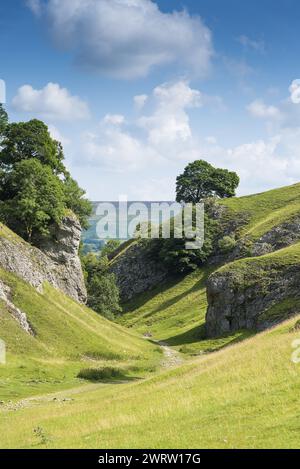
x=175, y=314
x=244, y=396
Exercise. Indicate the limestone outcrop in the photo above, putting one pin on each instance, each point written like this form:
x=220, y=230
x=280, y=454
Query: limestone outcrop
x=256, y=297
x=136, y=272
x=55, y=261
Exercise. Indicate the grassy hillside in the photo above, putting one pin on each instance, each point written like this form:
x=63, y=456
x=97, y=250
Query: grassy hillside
x=244, y=396
x=250, y=272
x=265, y=210
x=69, y=338
x=175, y=313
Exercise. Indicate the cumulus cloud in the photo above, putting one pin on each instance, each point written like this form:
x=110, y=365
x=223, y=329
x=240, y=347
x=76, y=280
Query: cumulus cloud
x=35, y=6
x=161, y=141
x=114, y=119
x=154, y=138
x=249, y=43
x=57, y=135
x=295, y=91
x=160, y=137
x=117, y=150
x=169, y=123
x=259, y=109
x=50, y=102
x=126, y=38
x=140, y=101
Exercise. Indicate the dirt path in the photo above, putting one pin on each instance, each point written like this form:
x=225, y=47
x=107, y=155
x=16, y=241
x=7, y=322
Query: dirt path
x=171, y=356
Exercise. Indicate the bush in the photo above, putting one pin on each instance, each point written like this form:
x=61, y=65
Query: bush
x=174, y=255
x=227, y=244
x=101, y=374
x=103, y=292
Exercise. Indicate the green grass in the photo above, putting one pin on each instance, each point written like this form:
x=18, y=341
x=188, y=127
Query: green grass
x=251, y=266
x=175, y=313
x=244, y=396
x=69, y=338
x=266, y=210
x=10, y=235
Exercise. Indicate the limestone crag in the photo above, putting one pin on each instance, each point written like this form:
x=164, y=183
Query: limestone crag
x=244, y=300
x=56, y=261
x=136, y=273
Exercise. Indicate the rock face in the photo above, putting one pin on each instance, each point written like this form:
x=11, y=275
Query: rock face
x=244, y=300
x=56, y=262
x=241, y=300
x=16, y=313
x=278, y=237
x=136, y=273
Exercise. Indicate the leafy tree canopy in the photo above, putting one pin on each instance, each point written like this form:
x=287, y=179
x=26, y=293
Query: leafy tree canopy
x=27, y=140
x=75, y=200
x=201, y=180
x=32, y=197
x=103, y=292
x=35, y=187
x=110, y=246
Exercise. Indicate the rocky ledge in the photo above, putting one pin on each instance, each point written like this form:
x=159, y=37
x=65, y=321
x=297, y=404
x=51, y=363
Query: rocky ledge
x=56, y=261
x=136, y=273
x=256, y=297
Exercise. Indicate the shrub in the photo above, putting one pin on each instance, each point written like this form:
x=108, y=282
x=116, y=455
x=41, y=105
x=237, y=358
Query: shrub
x=227, y=244
x=101, y=374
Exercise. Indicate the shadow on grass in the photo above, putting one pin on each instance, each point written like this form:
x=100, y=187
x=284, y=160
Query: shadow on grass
x=197, y=336
x=105, y=375
x=142, y=298
x=188, y=337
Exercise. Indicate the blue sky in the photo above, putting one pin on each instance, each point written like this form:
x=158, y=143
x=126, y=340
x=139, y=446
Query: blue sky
x=136, y=90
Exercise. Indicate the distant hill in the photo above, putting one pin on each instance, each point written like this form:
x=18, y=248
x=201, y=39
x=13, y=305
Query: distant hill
x=90, y=239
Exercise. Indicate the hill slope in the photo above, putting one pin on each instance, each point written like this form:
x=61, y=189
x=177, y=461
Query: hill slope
x=68, y=338
x=245, y=396
x=175, y=310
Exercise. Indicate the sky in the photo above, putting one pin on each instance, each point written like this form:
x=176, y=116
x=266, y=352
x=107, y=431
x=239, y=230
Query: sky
x=137, y=89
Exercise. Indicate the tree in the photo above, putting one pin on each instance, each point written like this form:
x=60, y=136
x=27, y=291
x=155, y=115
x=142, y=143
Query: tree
x=31, y=143
x=172, y=251
x=201, y=180
x=110, y=246
x=103, y=292
x=75, y=200
x=3, y=120
x=27, y=140
x=32, y=197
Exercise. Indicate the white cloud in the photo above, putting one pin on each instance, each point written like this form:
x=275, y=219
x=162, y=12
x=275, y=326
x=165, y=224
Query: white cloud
x=140, y=101
x=295, y=91
x=57, y=135
x=161, y=141
x=126, y=38
x=35, y=6
x=259, y=109
x=117, y=150
x=248, y=43
x=169, y=123
x=154, y=139
x=114, y=119
x=50, y=102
